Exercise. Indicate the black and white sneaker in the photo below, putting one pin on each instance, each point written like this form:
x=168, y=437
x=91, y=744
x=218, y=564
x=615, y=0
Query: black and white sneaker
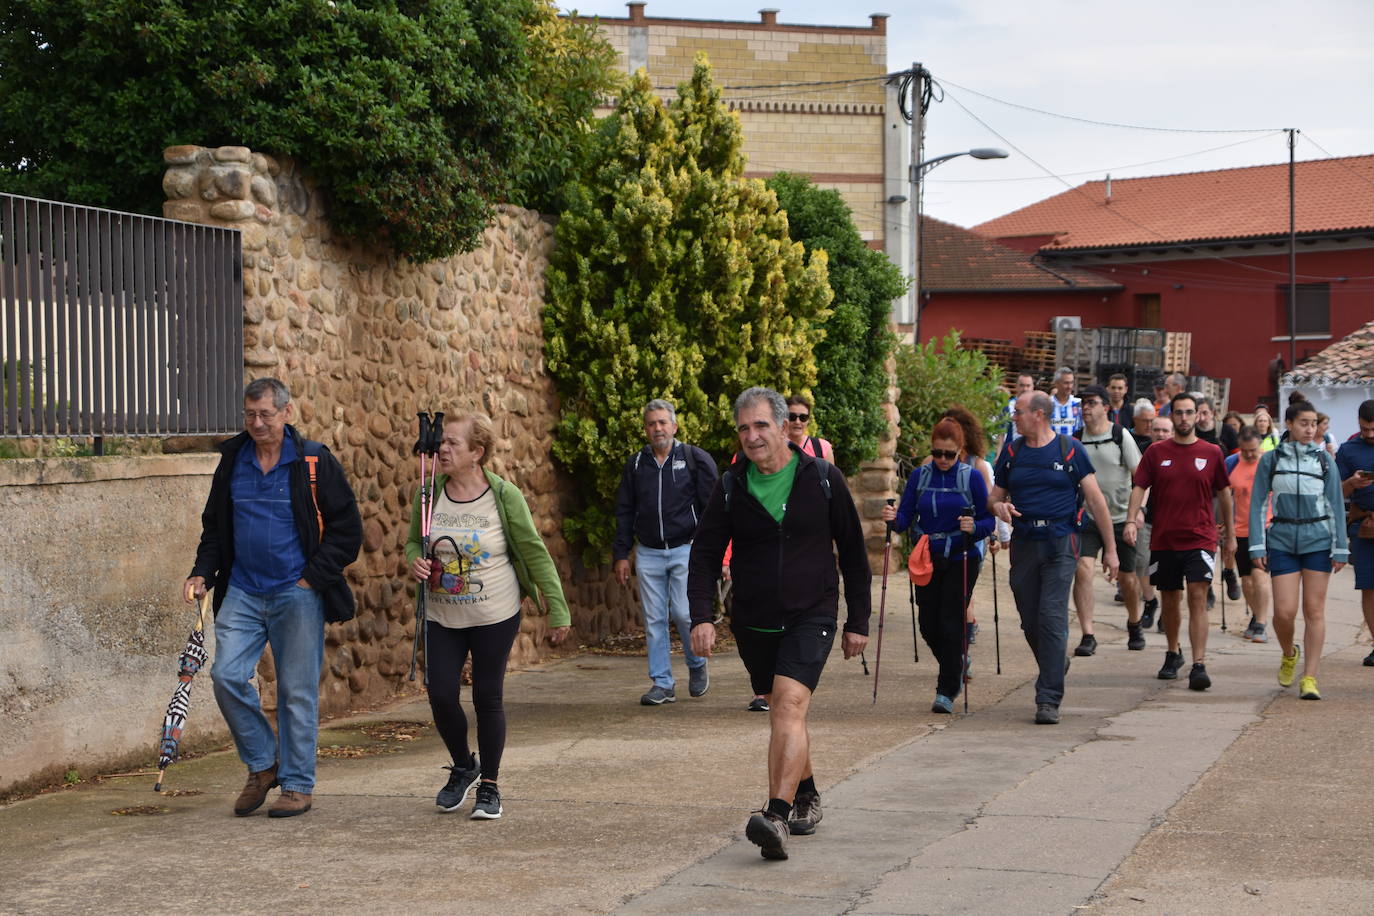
x=1135, y=637
x=1197, y=677
x=1172, y=662
x=1087, y=645
x=460, y=780
x=657, y=696
x=1232, y=584
x=698, y=681
x=806, y=814
x=768, y=831
x=1147, y=616
x=488, y=804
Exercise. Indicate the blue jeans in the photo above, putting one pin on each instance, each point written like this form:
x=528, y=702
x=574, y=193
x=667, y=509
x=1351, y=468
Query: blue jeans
x=1041, y=576
x=662, y=578
x=292, y=622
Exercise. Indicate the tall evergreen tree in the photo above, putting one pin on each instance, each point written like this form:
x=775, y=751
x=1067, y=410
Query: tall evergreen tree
x=673, y=276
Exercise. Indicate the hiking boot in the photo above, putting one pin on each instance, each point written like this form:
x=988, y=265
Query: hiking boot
x=806, y=814
x=1307, y=688
x=698, y=681
x=488, y=804
x=971, y=631
x=657, y=696
x=758, y=704
x=768, y=831
x=1135, y=637
x=1259, y=635
x=1197, y=677
x=1046, y=714
x=1172, y=662
x=1232, y=584
x=942, y=704
x=255, y=791
x=1288, y=665
x=1147, y=616
x=1086, y=646
x=460, y=780
x=289, y=804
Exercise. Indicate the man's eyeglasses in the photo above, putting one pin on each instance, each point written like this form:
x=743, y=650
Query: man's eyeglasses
x=943, y=453
x=265, y=415
x=798, y=417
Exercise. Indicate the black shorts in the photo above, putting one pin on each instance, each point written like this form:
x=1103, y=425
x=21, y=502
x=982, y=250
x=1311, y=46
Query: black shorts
x=798, y=652
x=1169, y=569
x=1090, y=544
x=1244, y=565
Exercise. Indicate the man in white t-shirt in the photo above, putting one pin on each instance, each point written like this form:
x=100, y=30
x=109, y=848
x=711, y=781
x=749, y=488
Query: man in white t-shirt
x=1066, y=413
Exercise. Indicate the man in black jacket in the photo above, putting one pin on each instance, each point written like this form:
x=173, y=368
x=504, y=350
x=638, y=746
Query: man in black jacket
x=787, y=513
x=663, y=491
x=280, y=525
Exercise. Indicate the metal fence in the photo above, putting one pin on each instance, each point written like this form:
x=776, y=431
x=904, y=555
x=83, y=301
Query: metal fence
x=115, y=324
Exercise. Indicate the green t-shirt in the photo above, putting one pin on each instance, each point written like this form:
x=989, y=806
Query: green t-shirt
x=772, y=490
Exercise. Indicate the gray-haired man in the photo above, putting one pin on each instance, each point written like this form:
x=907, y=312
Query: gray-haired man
x=663, y=492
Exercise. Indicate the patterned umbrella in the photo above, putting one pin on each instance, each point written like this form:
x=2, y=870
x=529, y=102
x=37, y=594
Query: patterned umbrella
x=192, y=658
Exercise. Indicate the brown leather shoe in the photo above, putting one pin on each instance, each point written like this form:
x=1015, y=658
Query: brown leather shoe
x=255, y=791
x=289, y=804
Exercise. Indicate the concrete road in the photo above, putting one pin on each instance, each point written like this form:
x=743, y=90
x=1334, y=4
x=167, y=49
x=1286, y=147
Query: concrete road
x=1149, y=798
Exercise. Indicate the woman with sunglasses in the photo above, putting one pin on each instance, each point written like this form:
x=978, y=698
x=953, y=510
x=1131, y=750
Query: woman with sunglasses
x=951, y=510
x=489, y=557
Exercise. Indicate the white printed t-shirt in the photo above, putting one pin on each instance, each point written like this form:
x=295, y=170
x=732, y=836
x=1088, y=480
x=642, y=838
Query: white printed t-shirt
x=478, y=586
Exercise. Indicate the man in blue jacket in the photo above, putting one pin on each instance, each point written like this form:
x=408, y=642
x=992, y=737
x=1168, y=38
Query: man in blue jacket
x=663, y=491
x=280, y=525
x=1355, y=461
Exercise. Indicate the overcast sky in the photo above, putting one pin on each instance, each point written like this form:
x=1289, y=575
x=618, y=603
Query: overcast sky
x=1217, y=65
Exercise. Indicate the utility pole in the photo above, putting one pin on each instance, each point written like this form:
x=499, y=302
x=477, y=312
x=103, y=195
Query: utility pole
x=917, y=94
x=1292, y=255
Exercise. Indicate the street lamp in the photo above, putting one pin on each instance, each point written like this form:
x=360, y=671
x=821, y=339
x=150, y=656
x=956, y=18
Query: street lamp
x=918, y=172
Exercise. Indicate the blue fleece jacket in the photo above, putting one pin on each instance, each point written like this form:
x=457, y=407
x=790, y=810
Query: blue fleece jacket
x=936, y=510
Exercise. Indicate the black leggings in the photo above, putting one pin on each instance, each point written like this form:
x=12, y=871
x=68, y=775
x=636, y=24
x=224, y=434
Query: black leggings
x=445, y=650
x=941, y=604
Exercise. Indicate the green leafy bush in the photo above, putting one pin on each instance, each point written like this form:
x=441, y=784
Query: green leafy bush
x=674, y=277
x=934, y=376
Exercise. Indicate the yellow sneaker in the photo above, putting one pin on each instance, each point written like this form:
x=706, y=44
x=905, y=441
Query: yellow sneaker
x=1307, y=688
x=1288, y=666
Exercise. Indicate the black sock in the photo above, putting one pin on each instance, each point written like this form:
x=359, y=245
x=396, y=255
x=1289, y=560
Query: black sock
x=779, y=807
x=807, y=785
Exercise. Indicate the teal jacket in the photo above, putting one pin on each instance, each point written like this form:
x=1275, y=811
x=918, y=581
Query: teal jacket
x=534, y=567
x=1309, y=515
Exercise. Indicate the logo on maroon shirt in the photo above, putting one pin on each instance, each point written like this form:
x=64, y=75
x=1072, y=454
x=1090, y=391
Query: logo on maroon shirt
x=1200, y=463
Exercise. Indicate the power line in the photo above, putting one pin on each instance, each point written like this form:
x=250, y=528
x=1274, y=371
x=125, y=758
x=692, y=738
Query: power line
x=1054, y=114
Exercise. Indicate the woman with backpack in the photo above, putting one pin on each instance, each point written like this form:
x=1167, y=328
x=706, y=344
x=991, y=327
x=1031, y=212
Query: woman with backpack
x=946, y=503
x=1305, y=542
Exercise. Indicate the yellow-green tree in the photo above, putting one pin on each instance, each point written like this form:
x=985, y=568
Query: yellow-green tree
x=673, y=276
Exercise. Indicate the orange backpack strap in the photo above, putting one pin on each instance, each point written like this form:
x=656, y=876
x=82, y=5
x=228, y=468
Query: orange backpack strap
x=311, y=461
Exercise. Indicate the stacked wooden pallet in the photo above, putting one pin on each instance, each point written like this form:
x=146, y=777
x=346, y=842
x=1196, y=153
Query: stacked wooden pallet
x=1178, y=351
x=1037, y=358
x=999, y=352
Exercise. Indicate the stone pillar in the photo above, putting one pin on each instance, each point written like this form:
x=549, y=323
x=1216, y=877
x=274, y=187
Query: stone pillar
x=877, y=480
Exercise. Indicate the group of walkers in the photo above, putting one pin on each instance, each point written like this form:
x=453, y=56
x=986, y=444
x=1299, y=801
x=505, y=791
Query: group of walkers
x=281, y=524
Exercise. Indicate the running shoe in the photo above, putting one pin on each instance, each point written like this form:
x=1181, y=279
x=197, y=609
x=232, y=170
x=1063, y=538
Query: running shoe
x=698, y=681
x=768, y=831
x=1307, y=688
x=1197, y=677
x=1259, y=635
x=758, y=704
x=1369, y=660
x=1288, y=665
x=806, y=814
x=1249, y=630
x=1135, y=637
x=488, y=804
x=1232, y=584
x=943, y=704
x=1046, y=714
x=1172, y=662
x=971, y=631
x=1087, y=645
x=968, y=667
x=1211, y=598
x=1147, y=616
x=1118, y=597
x=657, y=696
x=460, y=781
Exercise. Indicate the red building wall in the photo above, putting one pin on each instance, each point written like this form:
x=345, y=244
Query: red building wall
x=1009, y=315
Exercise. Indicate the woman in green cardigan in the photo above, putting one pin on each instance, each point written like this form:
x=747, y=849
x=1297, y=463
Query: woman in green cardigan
x=488, y=556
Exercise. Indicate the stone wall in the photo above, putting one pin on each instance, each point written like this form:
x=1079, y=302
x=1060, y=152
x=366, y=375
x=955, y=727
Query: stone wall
x=91, y=616
x=365, y=340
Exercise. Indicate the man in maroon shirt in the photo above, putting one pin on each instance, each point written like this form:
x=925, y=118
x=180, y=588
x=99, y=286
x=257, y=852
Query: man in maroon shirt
x=1183, y=474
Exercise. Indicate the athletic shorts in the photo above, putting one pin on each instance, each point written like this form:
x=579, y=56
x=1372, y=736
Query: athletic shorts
x=1281, y=563
x=1244, y=565
x=1090, y=545
x=1169, y=569
x=798, y=652
x=1362, y=558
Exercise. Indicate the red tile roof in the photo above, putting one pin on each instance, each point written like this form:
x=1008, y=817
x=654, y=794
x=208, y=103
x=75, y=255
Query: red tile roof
x=1348, y=360
x=957, y=260
x=1331, y=195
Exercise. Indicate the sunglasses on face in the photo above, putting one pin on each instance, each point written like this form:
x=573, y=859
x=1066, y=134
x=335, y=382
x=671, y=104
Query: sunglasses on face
x=943, y=453
x=798, y=417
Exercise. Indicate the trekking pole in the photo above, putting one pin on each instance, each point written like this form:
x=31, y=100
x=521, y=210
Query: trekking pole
x=882, y=606
x=911, y=592
x=426, y=446
x=996, y=631
x=863, y=661
x=963, y=620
